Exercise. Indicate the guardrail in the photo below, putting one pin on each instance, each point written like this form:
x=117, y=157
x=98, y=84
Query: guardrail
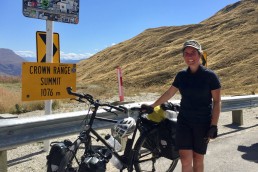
x=19, y=131
x=236, y=104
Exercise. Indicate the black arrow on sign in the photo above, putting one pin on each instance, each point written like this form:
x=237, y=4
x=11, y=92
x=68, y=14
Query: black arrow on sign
x=43, y=37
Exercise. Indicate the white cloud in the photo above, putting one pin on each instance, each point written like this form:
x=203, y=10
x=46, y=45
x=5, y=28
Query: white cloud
x=75, y=56
x=25, y=53
x=63, y=55
x=110, y=45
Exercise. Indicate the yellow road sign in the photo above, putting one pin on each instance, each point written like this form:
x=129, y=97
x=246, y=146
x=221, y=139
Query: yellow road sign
x=46, y=81
x=41, y=47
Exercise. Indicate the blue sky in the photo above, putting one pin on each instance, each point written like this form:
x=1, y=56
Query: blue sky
x=102, y=23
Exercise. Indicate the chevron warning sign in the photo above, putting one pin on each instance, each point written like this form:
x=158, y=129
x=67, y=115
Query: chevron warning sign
x=41, y=47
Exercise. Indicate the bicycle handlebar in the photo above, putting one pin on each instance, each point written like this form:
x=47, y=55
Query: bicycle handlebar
x=90, y=99
x=136, y=109
x=81, y=96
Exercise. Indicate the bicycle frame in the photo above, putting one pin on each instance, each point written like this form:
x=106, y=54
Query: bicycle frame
x=127, y=158
x=128, y=149
x=130, y=152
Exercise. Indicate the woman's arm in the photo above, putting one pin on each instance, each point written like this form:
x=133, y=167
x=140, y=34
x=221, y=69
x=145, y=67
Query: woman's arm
x=216, y=96
x=166, y=96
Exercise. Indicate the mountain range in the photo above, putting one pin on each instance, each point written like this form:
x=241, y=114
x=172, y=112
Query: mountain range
x=10, y=63
x=153, y=58
x=34, y=59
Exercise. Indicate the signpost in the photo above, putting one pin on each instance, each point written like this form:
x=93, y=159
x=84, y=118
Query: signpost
x=45, y=81
x=49, y=50
x=66, y=11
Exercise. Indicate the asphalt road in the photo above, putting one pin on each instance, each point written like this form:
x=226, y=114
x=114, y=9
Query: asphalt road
x=235, y=152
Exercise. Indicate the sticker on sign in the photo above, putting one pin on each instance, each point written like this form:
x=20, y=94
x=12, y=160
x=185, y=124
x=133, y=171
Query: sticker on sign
x=66, y=11
x=46, y=81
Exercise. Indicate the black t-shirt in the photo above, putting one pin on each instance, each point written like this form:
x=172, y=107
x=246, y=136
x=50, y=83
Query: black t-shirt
x=195, y=89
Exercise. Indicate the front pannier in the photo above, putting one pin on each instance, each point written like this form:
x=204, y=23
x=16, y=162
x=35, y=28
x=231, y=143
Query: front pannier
x=167, y=134
x=56, y=154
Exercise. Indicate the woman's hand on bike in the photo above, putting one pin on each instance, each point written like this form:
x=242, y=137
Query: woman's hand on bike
x=170, y=106
x=147, y=108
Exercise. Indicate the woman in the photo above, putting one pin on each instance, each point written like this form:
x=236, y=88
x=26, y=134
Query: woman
x=199, y=108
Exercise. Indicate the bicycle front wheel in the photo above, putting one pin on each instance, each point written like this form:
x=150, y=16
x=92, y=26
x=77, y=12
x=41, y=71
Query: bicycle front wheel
x=148, y=158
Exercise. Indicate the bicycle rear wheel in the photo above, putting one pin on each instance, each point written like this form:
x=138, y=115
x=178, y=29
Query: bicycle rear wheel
x=148, y=158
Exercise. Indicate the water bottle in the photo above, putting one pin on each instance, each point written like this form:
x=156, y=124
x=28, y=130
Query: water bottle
x=117, y=146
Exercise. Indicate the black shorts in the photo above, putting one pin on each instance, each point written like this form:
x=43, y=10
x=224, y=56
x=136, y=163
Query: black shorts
x=191, y=137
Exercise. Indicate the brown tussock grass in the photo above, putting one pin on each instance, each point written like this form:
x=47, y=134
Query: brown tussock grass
x=8, y=100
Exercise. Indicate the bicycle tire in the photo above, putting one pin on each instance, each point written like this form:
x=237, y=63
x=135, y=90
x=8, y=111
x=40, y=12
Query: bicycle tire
x=49, y=168
x=148, y=159
x=63, y=167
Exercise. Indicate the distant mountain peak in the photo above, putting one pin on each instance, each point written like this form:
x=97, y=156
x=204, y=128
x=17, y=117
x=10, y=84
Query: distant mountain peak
x=10, y=63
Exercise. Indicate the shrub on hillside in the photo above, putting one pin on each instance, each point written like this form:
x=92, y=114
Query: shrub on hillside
x=9, y=79
x=7, y=100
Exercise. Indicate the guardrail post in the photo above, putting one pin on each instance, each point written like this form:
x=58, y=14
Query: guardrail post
x=3, y=161
x=237, y=117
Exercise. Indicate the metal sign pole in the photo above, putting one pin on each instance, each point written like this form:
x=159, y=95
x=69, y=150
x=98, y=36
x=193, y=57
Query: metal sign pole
x=49, y=59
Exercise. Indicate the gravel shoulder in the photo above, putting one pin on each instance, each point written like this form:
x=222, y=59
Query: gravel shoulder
x=32, y=157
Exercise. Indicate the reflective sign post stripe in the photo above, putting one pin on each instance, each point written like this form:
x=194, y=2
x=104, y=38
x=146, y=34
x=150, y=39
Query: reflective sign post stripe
x=120, y=84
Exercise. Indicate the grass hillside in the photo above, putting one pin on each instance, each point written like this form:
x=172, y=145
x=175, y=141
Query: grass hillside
x=151, y=59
